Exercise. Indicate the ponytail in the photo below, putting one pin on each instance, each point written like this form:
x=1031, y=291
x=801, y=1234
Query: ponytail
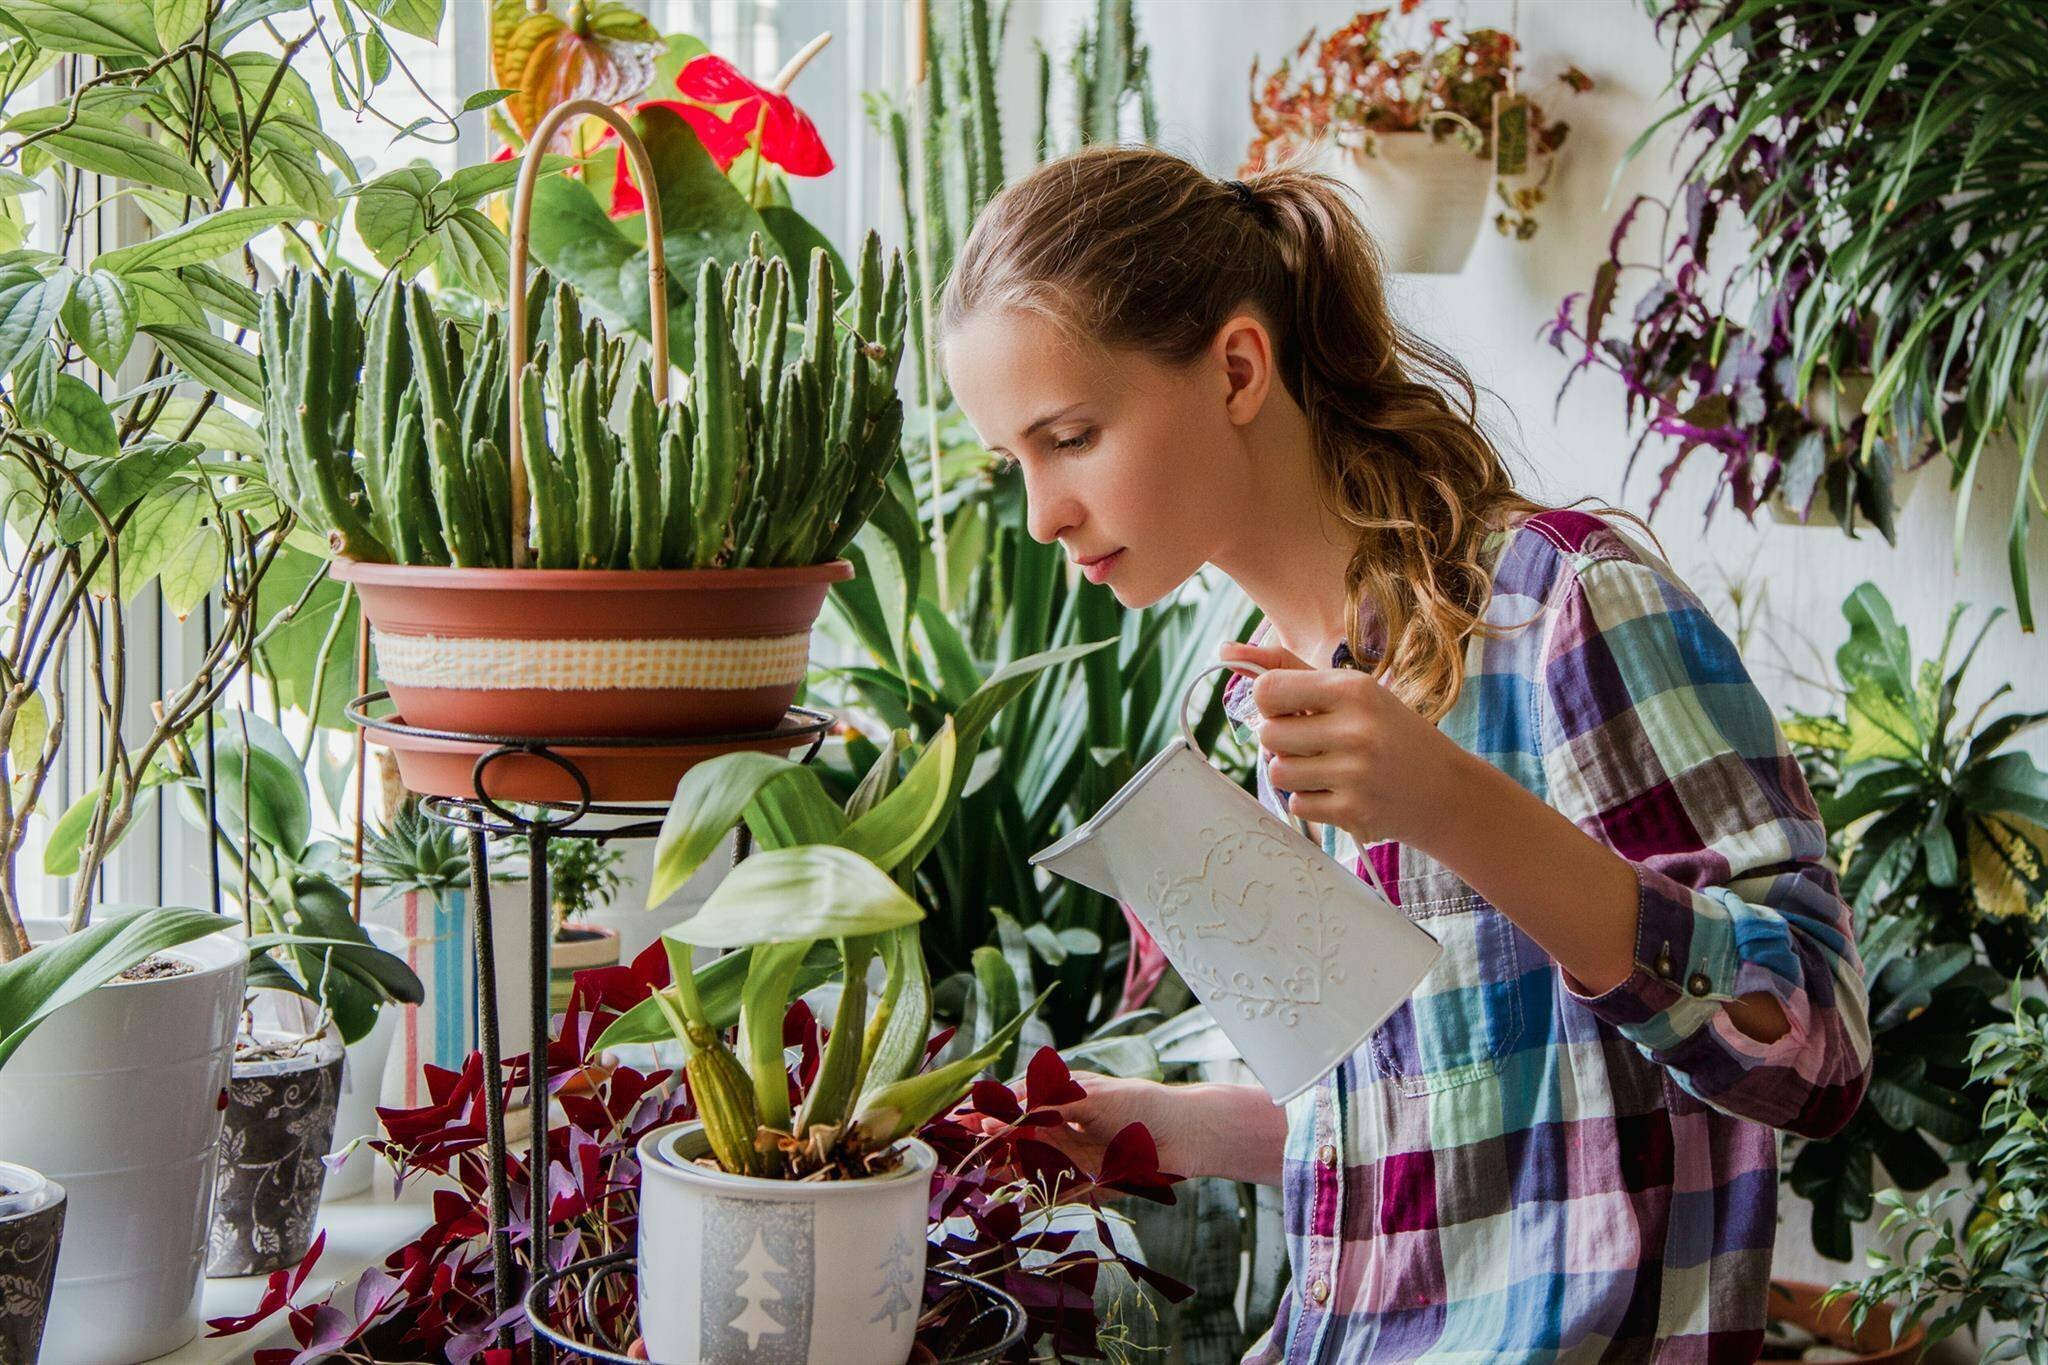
x=1137, y=249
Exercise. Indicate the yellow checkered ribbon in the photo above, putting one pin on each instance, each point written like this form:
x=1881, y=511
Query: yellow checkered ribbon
x=485, y=664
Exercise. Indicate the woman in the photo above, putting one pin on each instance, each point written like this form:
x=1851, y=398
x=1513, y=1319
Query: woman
x=1565, y=1145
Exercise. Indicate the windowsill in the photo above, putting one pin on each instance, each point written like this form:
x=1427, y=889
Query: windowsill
x=361, y=1231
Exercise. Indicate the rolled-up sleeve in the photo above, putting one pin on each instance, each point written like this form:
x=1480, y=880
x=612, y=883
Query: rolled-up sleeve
x=1657, y=743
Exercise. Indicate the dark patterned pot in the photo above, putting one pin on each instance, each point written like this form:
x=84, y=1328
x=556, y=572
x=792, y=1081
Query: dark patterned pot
x=31, y=1226
x=266, y=1192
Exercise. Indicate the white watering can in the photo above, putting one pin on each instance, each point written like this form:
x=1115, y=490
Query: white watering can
x=1298, y=959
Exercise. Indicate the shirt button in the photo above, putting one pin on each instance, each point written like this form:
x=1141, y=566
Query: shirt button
x=1698, y=984
x=1327, y=1154
x=1320, y=1292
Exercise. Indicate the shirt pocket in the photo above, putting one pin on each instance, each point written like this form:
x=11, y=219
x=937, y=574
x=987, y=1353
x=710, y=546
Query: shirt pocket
x=1466, y=1014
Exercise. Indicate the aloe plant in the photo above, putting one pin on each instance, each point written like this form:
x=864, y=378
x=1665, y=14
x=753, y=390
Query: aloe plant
x=830, y=873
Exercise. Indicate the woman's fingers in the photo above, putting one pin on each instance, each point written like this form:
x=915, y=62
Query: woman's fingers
x=1299, y=735
x=1265, y=656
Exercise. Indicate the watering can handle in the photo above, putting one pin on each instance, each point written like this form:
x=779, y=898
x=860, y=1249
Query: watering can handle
x=1372, y=873
x=1187, y=731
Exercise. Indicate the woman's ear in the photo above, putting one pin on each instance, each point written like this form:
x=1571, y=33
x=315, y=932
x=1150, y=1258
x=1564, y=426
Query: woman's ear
x=1243, y=351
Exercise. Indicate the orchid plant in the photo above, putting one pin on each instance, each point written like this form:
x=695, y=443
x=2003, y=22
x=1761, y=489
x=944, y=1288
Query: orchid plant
x=826, y=872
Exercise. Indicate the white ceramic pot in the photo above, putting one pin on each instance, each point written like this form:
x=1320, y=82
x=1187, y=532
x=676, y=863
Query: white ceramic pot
x=1423, y=200
x=1296, y=957
x=778, y=1272
x=118, y=1097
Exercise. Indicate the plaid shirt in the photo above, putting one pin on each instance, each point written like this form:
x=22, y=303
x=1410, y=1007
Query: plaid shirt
x=1508, y=1168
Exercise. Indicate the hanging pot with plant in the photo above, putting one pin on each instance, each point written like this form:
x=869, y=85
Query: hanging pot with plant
x=542, y=551
x=1420, y=126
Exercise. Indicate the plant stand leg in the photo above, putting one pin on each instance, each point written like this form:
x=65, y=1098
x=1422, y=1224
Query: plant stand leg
x=503, y=1292
x=538, y=1243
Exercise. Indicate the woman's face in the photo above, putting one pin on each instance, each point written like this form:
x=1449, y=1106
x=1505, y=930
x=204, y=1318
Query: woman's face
x=1139, y=470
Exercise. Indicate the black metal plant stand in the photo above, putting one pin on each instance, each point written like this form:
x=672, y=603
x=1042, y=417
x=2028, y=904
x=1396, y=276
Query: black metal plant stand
x=483, y=818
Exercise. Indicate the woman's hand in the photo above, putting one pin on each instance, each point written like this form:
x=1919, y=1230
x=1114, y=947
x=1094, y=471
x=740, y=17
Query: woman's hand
x=1227, y=1130
x=1351, y=754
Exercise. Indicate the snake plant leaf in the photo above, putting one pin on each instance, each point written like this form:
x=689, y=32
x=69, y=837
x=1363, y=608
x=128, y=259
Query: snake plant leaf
x=789, y=894
x=37, y=985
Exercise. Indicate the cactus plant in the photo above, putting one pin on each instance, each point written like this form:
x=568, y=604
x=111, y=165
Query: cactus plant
x=775, y=455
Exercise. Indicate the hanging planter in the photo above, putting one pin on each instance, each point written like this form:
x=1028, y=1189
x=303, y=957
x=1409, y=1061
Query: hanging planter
x=547, y=547
x=1423, y=200
x=278, y=1125
x=31, y=1228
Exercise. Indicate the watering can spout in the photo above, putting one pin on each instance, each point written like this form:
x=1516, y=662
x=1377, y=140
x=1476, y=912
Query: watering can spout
x=1078, y=858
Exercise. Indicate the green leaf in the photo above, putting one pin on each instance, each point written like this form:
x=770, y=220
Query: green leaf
x=894, y=1111
x=73, y=414
x=117, y=482
x=160, y=527
x=30, y=304
x=899, y=823
x=107, y=145
x=162, y=299
x=215, y=430
x=14, y=183
x=194, y=569
x=100, y=317
x=719, y=986
x=484, y=99
x=199, y=241
x=216, y=363
x=472, y=183
x=473, y=246
x=797, y=237
x=51, y=976
x=223, y=297
x=2009, y=783
x=280, y=803
x=420, y=18
x=376, y=56
x=67, y=835
x=101, y=28
x=31, y=729
x=709, y=801
x=786, y=894
x=177, y=20
x=392, y=217
x=996, y=998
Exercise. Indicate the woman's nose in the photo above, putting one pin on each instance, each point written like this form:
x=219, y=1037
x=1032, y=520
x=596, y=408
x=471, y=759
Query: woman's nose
x=1049, y=512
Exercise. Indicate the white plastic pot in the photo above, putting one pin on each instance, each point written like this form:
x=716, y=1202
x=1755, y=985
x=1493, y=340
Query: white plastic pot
x=117, y=1096
x=798, y=1272
x=1423, y=200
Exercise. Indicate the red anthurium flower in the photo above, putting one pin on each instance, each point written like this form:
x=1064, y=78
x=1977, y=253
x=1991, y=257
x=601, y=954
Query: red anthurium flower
x=788, y=137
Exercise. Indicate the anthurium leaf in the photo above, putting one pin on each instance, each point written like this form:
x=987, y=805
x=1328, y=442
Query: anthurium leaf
x=719, y=985
x=709, y=802
x=198, y=241
x=51, y=976
x=215, y=362
x=100, y=317
x=896, y=1110
x=811, y=891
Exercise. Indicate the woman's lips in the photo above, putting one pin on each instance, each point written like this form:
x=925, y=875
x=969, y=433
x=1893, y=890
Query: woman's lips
x=1100, y=568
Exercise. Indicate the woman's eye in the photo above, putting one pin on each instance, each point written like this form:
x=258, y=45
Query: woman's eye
x=1068, y=445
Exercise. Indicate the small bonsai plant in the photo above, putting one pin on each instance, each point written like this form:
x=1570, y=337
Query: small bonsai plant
x=583, y=877
x=1367, y=80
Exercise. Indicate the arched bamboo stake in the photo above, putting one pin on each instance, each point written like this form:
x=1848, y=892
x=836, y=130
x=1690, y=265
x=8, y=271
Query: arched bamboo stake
x=657, y=280
x=797, y=63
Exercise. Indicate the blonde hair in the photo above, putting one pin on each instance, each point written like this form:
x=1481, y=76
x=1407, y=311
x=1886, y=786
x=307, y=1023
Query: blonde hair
x=1137, y=249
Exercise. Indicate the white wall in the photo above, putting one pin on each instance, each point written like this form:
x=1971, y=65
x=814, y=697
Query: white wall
x=1490, y=317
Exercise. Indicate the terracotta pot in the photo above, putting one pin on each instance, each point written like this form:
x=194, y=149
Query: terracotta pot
x=602, y=653
x=1422, y=199
x=278, y=1125
x=1799, y=1305
x=31, y=1227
